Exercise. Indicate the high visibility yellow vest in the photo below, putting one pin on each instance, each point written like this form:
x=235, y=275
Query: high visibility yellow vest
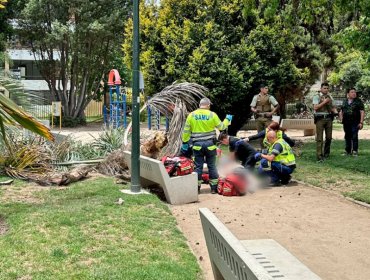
x=266, y=143
x=286, y=157
x=200, y=125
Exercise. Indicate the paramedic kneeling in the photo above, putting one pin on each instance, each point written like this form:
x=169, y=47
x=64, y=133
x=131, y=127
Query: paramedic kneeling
x=279, y=163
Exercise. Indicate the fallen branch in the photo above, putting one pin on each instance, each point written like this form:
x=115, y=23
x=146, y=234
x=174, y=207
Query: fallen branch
x=91, y=161
x=8, y=182
x=70, y=177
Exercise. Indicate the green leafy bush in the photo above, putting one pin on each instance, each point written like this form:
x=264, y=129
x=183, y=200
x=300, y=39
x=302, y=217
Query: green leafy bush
x=109, y=139
x=69, y=121
x=367, y=114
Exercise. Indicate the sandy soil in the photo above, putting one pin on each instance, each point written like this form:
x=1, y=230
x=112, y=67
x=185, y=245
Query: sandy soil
x=3, y=226
x=328, y=233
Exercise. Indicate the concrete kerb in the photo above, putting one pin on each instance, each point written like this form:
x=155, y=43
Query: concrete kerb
x=358, y=202
x=364, y=204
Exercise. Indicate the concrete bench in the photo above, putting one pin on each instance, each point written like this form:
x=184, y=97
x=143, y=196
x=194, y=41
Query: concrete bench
x=248, y=259
x=249, y=125
x=307, y=125
x=178, y=190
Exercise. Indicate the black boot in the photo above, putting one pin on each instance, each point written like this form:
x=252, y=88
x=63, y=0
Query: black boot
x=213, y=189
x=286, y=179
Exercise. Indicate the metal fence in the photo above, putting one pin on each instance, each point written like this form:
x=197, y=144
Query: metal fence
x=43, y=111
x=40, y=111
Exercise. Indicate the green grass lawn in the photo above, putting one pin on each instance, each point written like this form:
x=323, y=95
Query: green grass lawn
x=94, y=119
x=80, y=232
x=345, y=174
x=337, y=126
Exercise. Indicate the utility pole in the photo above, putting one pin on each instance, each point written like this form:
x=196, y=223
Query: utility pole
x=135, y=152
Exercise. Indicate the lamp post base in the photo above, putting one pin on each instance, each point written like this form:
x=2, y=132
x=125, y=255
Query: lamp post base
x=128, y=191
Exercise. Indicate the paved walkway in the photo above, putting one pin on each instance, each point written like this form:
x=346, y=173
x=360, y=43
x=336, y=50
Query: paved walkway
x=88, y=133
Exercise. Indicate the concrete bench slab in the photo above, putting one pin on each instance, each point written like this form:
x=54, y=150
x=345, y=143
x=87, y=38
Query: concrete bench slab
x=178, y=190
x=307, y=125
x=249, y=125
x=248, y=259
x=279, y=262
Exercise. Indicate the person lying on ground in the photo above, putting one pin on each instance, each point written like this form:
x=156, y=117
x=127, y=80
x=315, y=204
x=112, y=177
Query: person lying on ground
x=279, y=163
x=280, y=132
x=239, y=150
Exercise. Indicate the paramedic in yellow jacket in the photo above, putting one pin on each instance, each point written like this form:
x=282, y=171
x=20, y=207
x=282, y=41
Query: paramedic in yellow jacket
x=200, y=129
x=279, y=163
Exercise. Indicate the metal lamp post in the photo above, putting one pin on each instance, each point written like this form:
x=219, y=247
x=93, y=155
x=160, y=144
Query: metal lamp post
x=135, y=152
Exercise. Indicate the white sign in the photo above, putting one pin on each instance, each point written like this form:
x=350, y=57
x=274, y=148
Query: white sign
x=56, y=108
x=141, y=81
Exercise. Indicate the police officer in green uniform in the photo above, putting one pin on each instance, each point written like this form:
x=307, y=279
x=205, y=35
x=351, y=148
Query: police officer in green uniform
x=324, y=111
x=200, y=129
x=263, y=106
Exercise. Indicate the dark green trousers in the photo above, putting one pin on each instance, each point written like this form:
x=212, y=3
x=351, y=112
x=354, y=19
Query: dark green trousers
x=323, y=124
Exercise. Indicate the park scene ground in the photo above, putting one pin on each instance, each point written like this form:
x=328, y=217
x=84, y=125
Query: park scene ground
x=92, y=92
x=83, y=232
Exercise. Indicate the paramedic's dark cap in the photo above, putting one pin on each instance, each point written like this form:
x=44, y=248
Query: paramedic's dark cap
x=205, y=101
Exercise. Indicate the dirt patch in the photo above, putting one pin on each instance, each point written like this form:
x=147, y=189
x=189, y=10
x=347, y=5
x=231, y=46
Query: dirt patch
x=328, y=233
x=23, y=194
x=3, y=226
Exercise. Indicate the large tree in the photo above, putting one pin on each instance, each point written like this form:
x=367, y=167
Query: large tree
x=75, y=43
x=352, y=65
x=229, y=47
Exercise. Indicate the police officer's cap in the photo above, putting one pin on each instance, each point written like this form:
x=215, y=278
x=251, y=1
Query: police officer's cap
x=205, y=101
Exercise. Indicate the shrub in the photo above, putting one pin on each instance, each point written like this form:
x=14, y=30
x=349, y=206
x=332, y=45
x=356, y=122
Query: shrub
x=69, y=121
x=367, y=113
x=110, y=139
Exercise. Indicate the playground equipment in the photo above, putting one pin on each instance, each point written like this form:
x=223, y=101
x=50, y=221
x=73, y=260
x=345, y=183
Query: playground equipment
x=154, y=116
x=115, y=110
x=117, y=114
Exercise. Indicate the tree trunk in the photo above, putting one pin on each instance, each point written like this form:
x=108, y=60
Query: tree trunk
x=281, y=98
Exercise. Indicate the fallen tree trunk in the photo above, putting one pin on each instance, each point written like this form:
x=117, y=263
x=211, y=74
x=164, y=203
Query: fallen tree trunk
x=72, y=176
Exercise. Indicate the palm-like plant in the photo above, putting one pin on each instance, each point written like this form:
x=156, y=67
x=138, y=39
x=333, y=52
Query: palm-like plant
x=175, y=102
x=2, y=2
x=18, y=158
x=12, y=114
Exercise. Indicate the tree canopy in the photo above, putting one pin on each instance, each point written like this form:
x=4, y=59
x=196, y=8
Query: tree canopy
x=231, y=46
x=77, y=42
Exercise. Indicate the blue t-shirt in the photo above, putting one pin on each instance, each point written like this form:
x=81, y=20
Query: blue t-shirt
x=277, y=149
